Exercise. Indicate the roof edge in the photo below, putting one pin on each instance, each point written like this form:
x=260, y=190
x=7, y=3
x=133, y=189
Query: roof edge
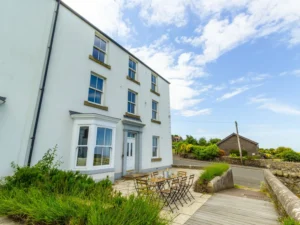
x=234, y=134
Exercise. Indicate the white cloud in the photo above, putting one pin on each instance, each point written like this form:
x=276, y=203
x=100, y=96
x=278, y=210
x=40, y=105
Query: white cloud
x=274, y=106
x=220, y=87
x=154, y=12
x=251, y=19
x=250, y=77
x=236, y=91
x=293, y=73
x=189, y=113
x=179, y=69
x=107, y=15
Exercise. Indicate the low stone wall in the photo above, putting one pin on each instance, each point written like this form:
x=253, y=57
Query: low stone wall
x=290, y=167
x=221, y=182
x=287, y=202
x=289, y=179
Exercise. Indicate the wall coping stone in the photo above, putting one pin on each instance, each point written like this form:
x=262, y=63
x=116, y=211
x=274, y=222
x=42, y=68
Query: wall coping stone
x=219, y=183
x=289, y=201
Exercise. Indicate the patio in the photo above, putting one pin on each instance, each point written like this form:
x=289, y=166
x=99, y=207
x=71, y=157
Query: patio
x=126, y=187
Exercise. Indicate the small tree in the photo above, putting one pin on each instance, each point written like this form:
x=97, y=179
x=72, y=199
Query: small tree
x=190, y=140
x=213, y=141
x=202, y=141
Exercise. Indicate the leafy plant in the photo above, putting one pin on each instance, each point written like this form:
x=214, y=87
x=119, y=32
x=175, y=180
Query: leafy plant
x=213, y=171
x=222, y=152
x=290, y=156
x=202, y=141
x=290, y=221
x=232, y=155
x=190, y=140
x=237, y=152
x=43, y=194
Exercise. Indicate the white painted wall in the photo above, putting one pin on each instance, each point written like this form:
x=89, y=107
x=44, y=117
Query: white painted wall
x=67, y=89
x=25, y=28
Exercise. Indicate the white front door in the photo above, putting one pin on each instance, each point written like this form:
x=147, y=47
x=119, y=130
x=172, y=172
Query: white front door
x=130, y=152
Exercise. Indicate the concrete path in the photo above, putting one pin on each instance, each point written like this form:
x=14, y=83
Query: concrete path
x=228, y=208
x=242, y=175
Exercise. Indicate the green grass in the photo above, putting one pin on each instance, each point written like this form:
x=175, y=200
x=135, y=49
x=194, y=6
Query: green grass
x=290, y=221
x=45, y=195
x=212, y=171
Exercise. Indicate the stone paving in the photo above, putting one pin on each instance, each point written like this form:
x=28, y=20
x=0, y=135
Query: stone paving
x=180, y=216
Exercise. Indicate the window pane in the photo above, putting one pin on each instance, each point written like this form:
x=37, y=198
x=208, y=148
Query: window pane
x=153, y=87
x=81, y=156
x=100, y=84
x=100, y=136
x=133, y=97
x=154, y=152
x=108, y=136
x=129, y=96
x=134, y=65
x=154, y=141
x=83, y=135
x=132, y=109
x=98, y=156
x=95, y=53
x=154, y=115
x=154, y=105
x=127, y=149
x=93, y=81
x=91, y=95
x=101, y=56
x=103, y=45
x=98, y=97
x=128, y=107
x=106, y=156
x=97, y=42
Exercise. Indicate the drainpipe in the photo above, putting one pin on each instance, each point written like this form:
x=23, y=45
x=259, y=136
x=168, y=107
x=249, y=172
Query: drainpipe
x=43, y=85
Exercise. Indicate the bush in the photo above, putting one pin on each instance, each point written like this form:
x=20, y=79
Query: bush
x=222, y=152
x=290, y=156
x=290, y=221
x=213, y=171
x=237, y=152
x=232, y=155
x=206, y=153
x=43, y=194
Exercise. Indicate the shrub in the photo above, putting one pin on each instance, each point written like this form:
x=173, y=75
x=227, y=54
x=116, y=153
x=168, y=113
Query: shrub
x=222, y=152
x=290, y=156
x=213, y=171
x=43, y=194
x=237, y=152
x=207, y=153
x=290, y=221
x=232, y=155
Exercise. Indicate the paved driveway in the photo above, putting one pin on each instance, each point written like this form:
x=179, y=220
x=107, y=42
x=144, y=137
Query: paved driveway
x=242, y=175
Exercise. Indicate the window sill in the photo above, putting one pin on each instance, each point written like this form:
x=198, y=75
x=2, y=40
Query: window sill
x=90, y=104
x=156, y=159
x=95, y=171
x=99, y=62
x=154, y=92
x=155, y=121
x=134, y=81
x=132, y=116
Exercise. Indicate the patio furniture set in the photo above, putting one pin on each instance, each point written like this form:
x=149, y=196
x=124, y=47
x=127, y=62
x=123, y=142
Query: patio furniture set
x=172, y=190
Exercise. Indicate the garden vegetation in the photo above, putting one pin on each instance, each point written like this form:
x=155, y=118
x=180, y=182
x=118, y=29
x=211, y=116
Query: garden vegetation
x=43, y=194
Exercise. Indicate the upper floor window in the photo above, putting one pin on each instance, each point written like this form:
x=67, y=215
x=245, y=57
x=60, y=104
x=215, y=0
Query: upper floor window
x=96, y=89
x=155, y=146
x=132, y=69
x=153, y=82
x=131, y=107
x=99, y=50
x=154, y=110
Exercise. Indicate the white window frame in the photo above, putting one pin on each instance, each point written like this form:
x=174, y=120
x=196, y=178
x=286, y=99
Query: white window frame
x=110, y=146
x=134, y=103
x=92, y=121
x=156, y=84
x=78, y=146
x=97, y=34
x=102, y=91
x=136, y=68
x=157, y=147
x=156, y=111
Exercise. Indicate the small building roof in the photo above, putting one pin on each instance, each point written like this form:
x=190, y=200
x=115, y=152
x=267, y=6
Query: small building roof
x=234, y=134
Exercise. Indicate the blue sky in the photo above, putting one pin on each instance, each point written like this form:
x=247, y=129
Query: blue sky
x=226, y=60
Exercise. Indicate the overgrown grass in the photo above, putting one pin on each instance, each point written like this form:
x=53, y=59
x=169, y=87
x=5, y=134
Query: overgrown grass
x=43, y=194
x=289, y=221
x=213, y=171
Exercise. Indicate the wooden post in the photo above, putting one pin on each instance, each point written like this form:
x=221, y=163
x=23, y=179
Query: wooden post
x=238, y=139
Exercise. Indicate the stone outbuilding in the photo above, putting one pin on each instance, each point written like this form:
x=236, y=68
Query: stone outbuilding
x=231, y=143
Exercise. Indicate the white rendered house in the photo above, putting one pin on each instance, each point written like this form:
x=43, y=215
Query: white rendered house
x=64, y=82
